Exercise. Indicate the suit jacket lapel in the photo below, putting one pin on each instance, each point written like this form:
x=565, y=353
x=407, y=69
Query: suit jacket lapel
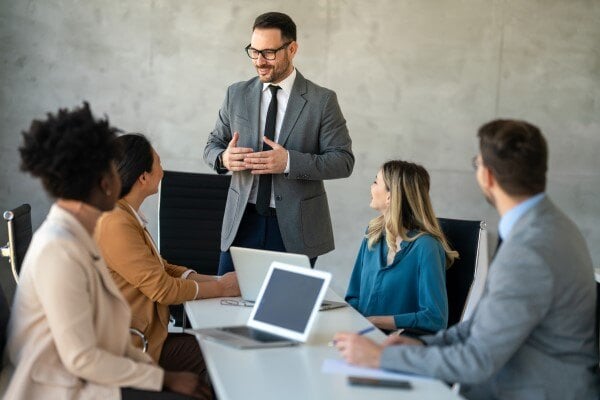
x=294, y=107
x=253, y=95
x=147, y=237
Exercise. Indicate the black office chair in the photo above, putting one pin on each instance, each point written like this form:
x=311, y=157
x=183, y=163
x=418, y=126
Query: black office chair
x=4, y=317
x=18, y=221
x=190, y=215
x=598, y=322
x=464, y=237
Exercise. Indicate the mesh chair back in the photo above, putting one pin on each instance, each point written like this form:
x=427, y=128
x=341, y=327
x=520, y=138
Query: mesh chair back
x=191, y=208
x=598, y=318
x=4, y=316
x=463, y=236
x=19, y=235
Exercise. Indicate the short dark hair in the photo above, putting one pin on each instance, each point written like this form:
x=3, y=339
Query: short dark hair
x=69, y=152
x=137, y=158
x=277, y=20
x=517, y=154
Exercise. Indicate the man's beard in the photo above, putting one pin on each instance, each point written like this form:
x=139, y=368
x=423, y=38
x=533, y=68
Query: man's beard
x=277, y=73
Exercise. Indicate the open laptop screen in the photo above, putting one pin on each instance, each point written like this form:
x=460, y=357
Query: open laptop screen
x=277, y=308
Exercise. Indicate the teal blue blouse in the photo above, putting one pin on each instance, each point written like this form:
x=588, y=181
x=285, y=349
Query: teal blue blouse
x=412, y=289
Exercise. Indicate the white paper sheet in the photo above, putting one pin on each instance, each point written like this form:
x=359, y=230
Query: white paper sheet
x=331, y=366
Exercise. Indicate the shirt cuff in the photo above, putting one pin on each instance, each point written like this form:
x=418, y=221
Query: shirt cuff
x=187, y=273
x=287, y=166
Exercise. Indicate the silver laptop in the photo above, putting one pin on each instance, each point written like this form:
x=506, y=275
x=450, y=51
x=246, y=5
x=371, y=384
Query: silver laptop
x=251, y=266
x=284, y=311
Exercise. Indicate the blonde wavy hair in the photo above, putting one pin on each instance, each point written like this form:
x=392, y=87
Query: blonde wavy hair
x=410, y=208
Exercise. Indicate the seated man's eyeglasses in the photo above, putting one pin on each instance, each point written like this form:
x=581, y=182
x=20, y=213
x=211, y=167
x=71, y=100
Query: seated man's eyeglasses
x=475, y=163
x=268, y=54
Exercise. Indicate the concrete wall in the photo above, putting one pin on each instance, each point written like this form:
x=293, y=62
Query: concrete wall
x=415, y=79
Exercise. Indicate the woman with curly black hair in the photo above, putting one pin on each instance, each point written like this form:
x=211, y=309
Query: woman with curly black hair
x=69, y=335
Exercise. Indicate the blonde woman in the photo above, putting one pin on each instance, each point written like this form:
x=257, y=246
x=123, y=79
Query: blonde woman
x=398, y=279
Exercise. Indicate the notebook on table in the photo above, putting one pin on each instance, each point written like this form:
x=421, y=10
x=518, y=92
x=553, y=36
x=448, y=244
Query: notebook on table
x=251, y=266
x=283, y=313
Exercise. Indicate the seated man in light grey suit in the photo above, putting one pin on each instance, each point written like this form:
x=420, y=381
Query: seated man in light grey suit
x=280, y=135
x=532, y=335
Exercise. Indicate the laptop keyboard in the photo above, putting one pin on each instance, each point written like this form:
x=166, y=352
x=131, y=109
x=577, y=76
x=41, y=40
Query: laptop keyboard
x=255, y=334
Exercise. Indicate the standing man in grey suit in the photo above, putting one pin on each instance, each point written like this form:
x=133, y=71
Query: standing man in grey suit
x=532, y=335
x=280, y=135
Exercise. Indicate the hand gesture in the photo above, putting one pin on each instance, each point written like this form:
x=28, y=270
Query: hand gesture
x=233, y=156
x=271, y=161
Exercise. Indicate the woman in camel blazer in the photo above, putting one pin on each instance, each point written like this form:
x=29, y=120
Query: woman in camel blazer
x=149, y=283
x=125, y=244
x=69, y=332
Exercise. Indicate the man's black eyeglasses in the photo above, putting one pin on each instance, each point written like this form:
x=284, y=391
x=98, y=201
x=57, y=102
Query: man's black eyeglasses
x=268, y=54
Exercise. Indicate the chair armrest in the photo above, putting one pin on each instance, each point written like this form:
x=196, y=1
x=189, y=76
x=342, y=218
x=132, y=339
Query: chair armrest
x=5, y=250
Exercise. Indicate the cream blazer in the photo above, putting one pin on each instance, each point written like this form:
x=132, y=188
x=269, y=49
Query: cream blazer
x=69, y=330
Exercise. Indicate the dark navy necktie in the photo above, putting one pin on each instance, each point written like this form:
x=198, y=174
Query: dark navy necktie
x=263, y=198
x=498, y=245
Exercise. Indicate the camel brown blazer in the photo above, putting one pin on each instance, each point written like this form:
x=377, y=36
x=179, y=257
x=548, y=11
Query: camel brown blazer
x=69, y=332
x=147, y=281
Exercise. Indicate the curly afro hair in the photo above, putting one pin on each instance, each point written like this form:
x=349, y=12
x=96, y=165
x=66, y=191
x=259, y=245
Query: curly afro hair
x=69, y=152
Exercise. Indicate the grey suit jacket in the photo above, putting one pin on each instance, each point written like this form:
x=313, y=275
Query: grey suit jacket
x=315, y=134
x=532, y=335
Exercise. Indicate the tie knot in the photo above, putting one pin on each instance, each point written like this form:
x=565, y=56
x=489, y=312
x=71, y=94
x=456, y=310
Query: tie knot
x=274, y=89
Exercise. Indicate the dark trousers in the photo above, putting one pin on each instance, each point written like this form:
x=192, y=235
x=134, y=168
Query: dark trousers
x=136, y=394
x=256, y=232
x=181, y=352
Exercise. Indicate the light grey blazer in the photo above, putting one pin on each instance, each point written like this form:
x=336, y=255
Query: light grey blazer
x=532, y=335
x=315, y=134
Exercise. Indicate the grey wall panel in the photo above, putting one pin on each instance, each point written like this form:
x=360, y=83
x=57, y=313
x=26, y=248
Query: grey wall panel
x=415, y=80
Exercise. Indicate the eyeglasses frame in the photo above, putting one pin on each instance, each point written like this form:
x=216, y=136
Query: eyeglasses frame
x=262, y=52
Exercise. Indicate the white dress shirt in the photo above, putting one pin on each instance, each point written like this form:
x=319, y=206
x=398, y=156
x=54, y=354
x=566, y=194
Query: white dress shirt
x=283, y=96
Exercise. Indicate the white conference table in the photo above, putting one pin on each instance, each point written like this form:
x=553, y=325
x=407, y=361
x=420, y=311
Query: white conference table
x=291, y=373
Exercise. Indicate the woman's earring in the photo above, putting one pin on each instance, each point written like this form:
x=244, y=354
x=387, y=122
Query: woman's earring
x=108, y=193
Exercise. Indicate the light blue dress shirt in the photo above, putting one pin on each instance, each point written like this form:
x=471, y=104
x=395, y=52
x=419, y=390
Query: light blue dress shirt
x=509, y=219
